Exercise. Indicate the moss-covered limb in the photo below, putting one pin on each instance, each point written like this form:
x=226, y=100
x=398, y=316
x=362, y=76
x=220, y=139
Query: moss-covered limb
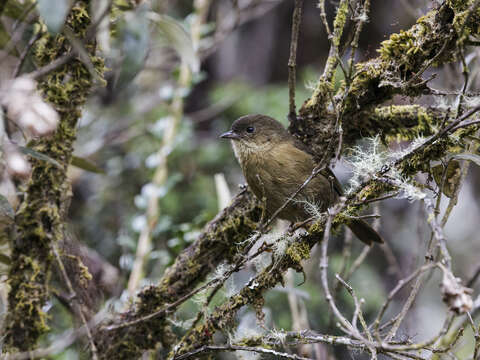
x=40, y=218
x=406, y=53
x=219, y=242
x=252, y=294
x=404, y=122
x=433, y=40
x=325, y=84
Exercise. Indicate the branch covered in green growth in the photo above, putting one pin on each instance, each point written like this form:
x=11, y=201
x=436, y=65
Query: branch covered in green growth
x=325, y=83
x=252, y=293
x=40, y=218
x=402, y=122
x=433, y=40
x=220, y=241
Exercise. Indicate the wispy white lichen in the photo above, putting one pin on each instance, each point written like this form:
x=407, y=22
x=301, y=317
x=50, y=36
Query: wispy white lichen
x=365, y=161
x=368, y=160
x=279, y=335
x=409, y=191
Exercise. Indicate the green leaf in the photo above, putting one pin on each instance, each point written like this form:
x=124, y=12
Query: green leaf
x=178, y=38
x=39, y=156
x=5, y=259
x=86, y=164
x=6, y=208
x=469, y=157
x=53, y=13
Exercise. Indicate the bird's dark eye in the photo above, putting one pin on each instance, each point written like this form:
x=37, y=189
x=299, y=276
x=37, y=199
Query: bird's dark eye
x=250, y=129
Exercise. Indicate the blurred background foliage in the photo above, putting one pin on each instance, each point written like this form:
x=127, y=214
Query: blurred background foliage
x=239, y=70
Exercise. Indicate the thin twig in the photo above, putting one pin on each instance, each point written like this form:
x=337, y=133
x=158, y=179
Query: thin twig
x=64, y=59
x=73, y=296
x=24, y=54
x=292, y=61
x=324, y=277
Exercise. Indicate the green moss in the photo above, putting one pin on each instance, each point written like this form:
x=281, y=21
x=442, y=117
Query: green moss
x=298, y=251
x=339, y=22
x=39, y=220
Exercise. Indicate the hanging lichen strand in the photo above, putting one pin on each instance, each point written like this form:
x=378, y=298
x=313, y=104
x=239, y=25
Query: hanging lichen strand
x=40, y=217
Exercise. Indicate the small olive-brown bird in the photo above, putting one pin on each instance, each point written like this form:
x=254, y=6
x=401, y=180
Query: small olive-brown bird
x=275, y=165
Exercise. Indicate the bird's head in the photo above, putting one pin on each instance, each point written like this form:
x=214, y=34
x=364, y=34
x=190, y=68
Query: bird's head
x=255, y=132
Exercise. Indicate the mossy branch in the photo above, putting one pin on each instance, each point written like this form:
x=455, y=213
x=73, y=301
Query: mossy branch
x=434, y=40
x=219, y=242
x=40, y=218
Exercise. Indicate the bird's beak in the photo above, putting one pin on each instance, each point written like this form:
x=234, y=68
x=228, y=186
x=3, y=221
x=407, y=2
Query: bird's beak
x=230, y=135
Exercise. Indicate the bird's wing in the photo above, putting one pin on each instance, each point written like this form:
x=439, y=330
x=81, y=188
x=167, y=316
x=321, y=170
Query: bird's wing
x=325, y=172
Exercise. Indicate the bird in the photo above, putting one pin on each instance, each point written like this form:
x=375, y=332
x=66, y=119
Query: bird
x=276, y=164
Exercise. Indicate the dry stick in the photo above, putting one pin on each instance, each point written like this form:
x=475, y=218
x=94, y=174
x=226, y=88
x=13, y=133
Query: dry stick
x=400, y=285
x=380, y=198
x=334, y=38
x=310, y=337
x=324, y=278
x=169, y=308
x=445, y=349
x=356, y=38
x=411, y=297
x=437, y=231
x=359, y=314
x=358, y=261
x=465, y=74
x=346, y=254
x=453, y=201
x=73, y=297
x=216, y=348
x=292, y=61
x=323, y=16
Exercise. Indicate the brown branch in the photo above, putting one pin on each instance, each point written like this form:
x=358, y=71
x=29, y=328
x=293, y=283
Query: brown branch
x=292, y=61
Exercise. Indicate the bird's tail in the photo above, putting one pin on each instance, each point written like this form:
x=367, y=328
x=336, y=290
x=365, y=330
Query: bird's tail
x=364, y=231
